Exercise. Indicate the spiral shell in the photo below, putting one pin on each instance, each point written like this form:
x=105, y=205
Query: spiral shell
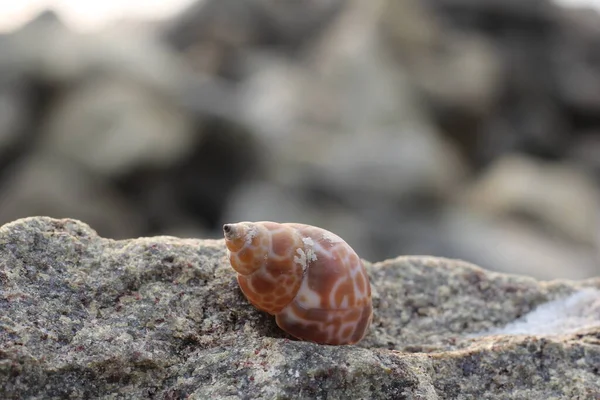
x=309, y=278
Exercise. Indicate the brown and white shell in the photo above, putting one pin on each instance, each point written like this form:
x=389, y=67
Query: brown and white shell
x=309, y=278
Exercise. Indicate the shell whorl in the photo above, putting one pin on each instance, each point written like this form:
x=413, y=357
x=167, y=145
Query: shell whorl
x=260, y=253
x=309, y=278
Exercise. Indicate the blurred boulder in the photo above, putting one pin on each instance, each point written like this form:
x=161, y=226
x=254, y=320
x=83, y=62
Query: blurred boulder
x=585, y=152
x=515, y=246
x=497, y=14
x=113, y=126
x=459, y=74
x=525, y=36
x=558, y=197
x=216, y=35
x=17, y=109
x=346, y=120
x=45, y=49
x=115, y=106
x=52, y=186
x=578, y=66
x=343, y=139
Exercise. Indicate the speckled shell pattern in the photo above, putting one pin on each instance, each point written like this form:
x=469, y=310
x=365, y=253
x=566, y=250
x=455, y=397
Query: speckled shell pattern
x=309, y=278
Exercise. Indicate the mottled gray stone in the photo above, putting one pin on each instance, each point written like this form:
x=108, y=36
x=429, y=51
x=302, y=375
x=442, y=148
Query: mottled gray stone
x=346, y=118
x=87, y=317
x=545, y=192
x=112, y=126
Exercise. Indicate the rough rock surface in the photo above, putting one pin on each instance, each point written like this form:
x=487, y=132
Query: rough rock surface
x=86, y=317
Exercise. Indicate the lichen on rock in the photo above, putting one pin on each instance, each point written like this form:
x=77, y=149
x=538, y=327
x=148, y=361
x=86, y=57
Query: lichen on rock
x=86, y=317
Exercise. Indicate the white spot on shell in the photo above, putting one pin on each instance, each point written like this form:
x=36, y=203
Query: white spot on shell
x=308, y=241
x=301, y=258
x=332, y=238
x=311, y=255
x=251, y=234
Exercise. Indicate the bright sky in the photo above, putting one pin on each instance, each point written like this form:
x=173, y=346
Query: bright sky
x=86, y=14
x=92, y=14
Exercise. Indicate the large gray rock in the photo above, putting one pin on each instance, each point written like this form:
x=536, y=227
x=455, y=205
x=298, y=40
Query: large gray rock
x=561, y=197
x=87, y=317
x=513, y=246
x=113, y=126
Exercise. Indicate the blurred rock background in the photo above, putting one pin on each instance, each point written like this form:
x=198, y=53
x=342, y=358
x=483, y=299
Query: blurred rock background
x=457, y=128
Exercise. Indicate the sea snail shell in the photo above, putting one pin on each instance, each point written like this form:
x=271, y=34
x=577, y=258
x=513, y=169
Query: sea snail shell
x=309, y=278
